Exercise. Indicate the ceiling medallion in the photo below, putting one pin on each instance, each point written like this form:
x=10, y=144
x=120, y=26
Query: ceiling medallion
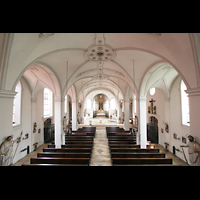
x=100, y=53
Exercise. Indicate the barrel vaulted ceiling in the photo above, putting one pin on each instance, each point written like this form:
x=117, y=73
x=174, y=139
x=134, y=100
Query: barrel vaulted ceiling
x=116, y=64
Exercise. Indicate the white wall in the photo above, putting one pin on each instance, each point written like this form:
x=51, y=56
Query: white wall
x=176, y=121
x=31, y=112
x=170, y=114
x=25, y=123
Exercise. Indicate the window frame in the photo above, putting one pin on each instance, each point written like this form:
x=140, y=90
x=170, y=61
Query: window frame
x=17, y=105
x=49, y=97
x=185, y=108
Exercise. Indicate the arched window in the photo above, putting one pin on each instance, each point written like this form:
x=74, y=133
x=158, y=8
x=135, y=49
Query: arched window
x=112, y=104
x=88, y=104
x=48, y=102
x=152, y=91
x=17, y=105
x=66, y=103
x=185, y=105
x=135, y=104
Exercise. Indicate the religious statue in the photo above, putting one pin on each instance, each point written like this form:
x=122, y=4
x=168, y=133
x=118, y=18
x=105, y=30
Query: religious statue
x=6, y=150
x=151, y=107
x=34, y=127
x=64, y=124
x=193, y=151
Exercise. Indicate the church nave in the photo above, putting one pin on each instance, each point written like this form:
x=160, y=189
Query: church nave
x=51, y=83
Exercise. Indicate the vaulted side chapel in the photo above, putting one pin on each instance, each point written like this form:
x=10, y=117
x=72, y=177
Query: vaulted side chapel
x=148, y=82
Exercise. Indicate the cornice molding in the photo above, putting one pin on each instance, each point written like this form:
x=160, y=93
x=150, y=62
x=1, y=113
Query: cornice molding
x=7, y=94
x=193, y=92
x=41, y=35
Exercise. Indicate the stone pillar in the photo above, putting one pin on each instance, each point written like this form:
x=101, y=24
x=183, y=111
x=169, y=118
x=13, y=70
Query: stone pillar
x=74, y=115
x=126, y=115
x=58, y=121
x=6, y=116
x=143, y=122
x=194, y=100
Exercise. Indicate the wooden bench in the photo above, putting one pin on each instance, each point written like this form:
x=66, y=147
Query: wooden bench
x=72, y=146
x=137, y=155
x=68, y=150
x=122, y=142
x=129, y=146
x=141, y=161
x=118, y=134
x=90, y=129
x=59, y=161
x=121, y=138
x=63, y=155
x=84, y=133
x=134, y=150
x=54, y=165
x=74, y=137
x=118, y=145
x=150, y=165
x=77, y=142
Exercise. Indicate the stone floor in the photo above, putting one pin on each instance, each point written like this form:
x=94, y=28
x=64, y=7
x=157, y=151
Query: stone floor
x=100, y=152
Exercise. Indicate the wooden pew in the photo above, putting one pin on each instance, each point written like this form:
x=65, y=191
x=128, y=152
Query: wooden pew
x=59, y=161
x=118, y=133
x=54, y=165
x=77, y=142
x=128, y=146
x=68, y=150
x=122, y=142
x=148, y=165
x=74, y=137
x=63, y=155
x=141, y=161
x=72, y=146
x=84, y=133
x=121, y=138
x=118, y=145
x=133, y=150
x=137, y=155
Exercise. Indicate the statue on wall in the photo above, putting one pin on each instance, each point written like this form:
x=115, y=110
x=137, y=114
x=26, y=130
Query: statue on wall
x=193, y=151
x=6, y=150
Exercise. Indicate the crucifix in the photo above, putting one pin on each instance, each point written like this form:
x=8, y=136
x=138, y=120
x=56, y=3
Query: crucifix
x=152, y=105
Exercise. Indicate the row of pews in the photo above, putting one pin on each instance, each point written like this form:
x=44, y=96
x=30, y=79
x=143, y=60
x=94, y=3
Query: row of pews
x=76, y=151
x=125, y=151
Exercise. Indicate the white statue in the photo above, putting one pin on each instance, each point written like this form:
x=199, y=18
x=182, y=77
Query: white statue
x=193, y=151
x=6, y=150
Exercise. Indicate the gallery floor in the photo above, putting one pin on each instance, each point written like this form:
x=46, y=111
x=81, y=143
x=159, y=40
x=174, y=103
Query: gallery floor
x=100, y=153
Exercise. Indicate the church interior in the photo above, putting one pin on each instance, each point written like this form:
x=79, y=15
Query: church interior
x=53, y=84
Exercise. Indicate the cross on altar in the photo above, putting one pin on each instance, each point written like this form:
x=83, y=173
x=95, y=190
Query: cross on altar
x=152, y=104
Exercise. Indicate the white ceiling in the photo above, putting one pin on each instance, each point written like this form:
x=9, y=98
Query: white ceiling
x=131, y=67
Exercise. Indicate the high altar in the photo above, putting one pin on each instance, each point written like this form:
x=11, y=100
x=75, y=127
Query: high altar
x=100, y=101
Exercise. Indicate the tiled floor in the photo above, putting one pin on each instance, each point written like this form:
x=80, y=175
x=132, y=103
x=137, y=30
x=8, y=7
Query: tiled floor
x=100, y=154
x=176, y=160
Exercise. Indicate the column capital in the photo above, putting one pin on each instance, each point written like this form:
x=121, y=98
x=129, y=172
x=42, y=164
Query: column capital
x=7, y=94
x=193, y=92
x=57, y=99
x=142, y=98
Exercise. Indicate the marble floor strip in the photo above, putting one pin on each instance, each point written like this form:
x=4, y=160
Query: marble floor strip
x=100, y=153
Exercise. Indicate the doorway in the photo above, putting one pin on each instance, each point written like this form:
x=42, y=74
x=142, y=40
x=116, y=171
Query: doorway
x=152, y=130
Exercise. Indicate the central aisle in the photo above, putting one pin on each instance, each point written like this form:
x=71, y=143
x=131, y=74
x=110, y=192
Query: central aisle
x=100, y=152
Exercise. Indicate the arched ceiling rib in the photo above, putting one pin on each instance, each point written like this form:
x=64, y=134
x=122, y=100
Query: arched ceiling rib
x=162, y=76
